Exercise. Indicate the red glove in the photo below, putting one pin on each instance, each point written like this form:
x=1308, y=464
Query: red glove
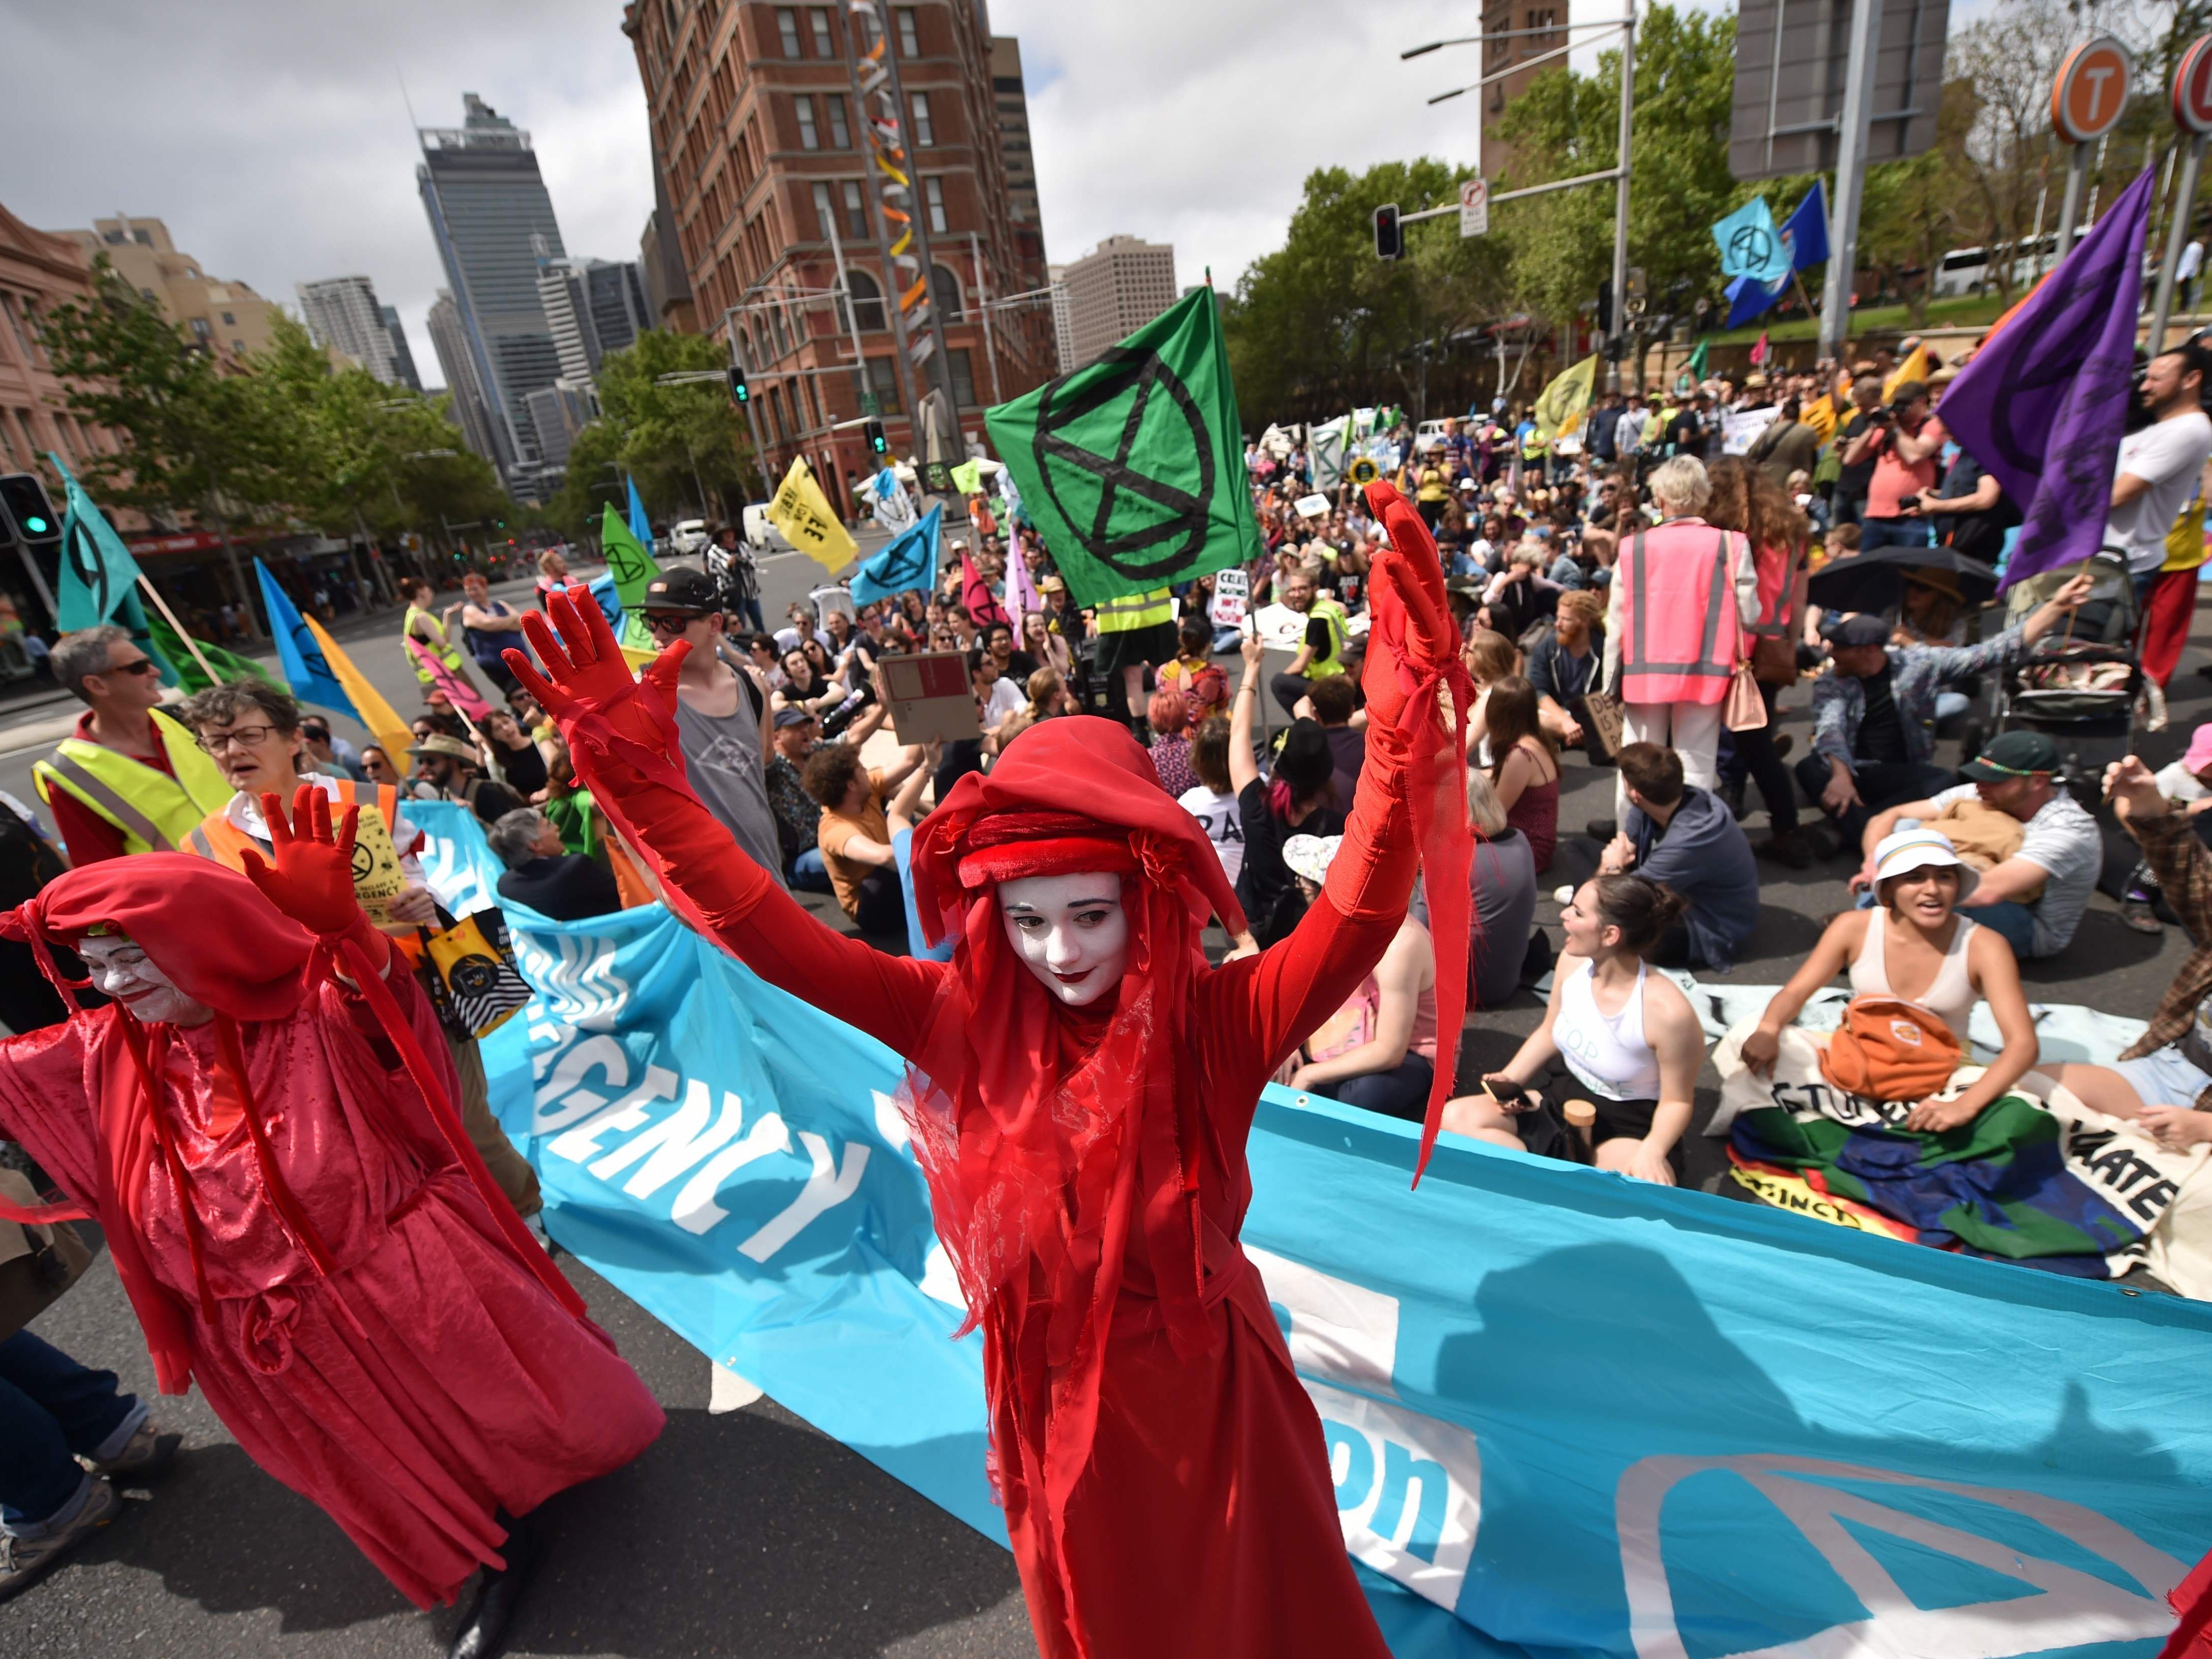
x=1411, y=637
x=311, y=881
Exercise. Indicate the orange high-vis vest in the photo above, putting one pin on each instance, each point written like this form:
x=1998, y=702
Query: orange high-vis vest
x=1681, y=636
x=219, y=839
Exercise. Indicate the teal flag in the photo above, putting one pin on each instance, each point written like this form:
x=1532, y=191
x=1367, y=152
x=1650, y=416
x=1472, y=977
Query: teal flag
x=639, y=526
x=1750, y=245
x=1132, y=467
x=97, y=572
x=298, y=653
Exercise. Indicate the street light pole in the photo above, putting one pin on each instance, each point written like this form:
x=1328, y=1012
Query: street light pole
x=1850, y=176
x=1620, y=189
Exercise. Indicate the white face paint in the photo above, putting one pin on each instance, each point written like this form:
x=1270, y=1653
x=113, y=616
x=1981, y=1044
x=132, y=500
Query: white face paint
x=119, y=969
x=1071, y=930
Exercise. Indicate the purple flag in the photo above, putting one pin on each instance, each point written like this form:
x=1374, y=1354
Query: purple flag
x=2042, y=405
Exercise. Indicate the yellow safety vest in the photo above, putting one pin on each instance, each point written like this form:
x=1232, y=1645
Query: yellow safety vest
x=1331, y=662
x=155, y=810
x=441, y=646
x=1148, y=610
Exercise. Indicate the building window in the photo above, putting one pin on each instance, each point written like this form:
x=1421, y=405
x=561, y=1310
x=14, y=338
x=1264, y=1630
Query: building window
x=841, y=134
x=917, y=105
x=945, y=289
x=910, y=36
x=229, y=321
x=818, y=18
x=825, y=211
x=961, y=373
x=856, y=211
x=808, y=138
x=883, y=380
x=867, y=302
x=787, y=27
x=932, y=190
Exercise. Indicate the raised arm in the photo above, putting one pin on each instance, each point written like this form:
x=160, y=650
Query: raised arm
x=1833, y=950
x=621, y=733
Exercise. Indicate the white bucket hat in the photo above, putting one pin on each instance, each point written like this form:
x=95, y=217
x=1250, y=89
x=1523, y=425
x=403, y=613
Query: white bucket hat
x=1907, y=850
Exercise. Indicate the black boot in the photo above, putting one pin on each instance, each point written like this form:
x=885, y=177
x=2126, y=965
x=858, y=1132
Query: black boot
x=483, y=1634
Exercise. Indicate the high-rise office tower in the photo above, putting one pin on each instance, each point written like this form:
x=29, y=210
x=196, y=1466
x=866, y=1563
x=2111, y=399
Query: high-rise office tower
x=494, y=223
x=594, y=307
x=1063, y=322
x=403, y=354
x=1113, y=291
x=471, y=411
x=342, y=312
x=1010, y=98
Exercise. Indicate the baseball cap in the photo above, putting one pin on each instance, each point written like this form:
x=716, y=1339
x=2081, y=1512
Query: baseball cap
x=788, y=717
x=2200, y=749
x=1906, y=850
x=682, y=587
x=2011, y=754
x=1860, y=628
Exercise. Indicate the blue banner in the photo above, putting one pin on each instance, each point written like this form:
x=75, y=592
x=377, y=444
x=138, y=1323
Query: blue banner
x=299, y=655
x=1564, y=1410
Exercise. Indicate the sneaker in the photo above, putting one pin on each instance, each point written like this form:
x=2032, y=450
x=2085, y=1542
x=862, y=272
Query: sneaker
x=2138, y=915
x=1784, y=744
x=1824, y=838
x=24, y=1561
x=1792, y=849
x=147, y=1457
x=2155, y=706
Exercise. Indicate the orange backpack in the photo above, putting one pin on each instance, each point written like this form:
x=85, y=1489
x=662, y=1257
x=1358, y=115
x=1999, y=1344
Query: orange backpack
x=1888, y=1048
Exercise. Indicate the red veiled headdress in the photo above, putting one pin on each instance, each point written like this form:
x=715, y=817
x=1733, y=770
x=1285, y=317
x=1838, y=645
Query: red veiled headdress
x=1049, y=1134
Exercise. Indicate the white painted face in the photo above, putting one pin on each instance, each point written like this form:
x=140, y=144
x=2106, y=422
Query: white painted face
x=119, y=969
x=1071, y=930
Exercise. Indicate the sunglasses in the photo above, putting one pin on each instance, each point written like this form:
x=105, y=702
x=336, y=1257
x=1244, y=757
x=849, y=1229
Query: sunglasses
x=660, y=625
x=142, y=665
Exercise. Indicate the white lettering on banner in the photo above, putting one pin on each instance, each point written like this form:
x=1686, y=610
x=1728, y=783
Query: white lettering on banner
x=582, y=1142
x=560, y=1101
x=2073, y=1608
x=576, y=978
x=1337, y=1331
x=452, y=876
x=695, y=1209
x=830, y=1184
x=677, y=1142
x=1408, y=1490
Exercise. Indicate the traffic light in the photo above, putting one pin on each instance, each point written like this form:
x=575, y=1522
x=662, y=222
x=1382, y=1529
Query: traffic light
x=1389, y=240
x=740, y=393
x=1605, y=305
x=877, y=444
x=25, y=510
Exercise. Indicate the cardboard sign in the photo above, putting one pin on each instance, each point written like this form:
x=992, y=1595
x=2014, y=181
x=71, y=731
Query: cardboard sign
x=1313, y=506
x=930, y=698
x=377, y=877
x=1232, y=595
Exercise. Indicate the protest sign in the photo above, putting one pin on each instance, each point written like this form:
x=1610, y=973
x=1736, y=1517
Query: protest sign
x=1739, y=428
x=1312, y=506
x=930, y=698
x=1232, y=593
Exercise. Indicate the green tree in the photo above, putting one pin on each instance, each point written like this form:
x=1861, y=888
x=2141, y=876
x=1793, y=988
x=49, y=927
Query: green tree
x=593, y=480
x=192, y=438
x=684, y=445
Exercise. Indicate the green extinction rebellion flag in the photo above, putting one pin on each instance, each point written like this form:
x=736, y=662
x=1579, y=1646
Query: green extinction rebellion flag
x=1132, y=467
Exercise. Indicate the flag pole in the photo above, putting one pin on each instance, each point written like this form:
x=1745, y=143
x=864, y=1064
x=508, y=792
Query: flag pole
x=191, y=644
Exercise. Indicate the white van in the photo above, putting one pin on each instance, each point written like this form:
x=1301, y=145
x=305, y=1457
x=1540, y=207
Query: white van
x=763, y=538
x=687, y=535
x=1427, y=436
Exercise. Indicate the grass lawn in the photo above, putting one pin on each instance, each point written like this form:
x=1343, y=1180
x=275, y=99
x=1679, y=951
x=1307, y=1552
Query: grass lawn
x=1970, y=312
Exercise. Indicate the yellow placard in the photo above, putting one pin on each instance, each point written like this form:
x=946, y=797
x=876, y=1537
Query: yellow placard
x=377, y=878
x=803, y=514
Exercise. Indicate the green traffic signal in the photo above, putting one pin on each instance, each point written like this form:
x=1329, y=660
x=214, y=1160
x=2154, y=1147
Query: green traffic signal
x=36, y=525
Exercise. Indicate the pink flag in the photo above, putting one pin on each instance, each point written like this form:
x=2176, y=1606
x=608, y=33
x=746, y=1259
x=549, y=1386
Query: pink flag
x=1021, y=592
x=462, y=694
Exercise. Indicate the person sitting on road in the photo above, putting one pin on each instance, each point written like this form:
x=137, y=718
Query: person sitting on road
x=1917, y=945
x=1211, y=800
x=1686, y=838
x=1564, y=665
x=1334, y=703
x=1503, y=877
x=1490, y=657
x=544, y=875
x=1301, y=796
x=454, y=771
x=2034, y=899
x=1379, y=1050
x=1169, y=713
x=1626, y=1036
x=1525, y=766
x=2163, y=1079
x=855, y=836
x=1873, y=718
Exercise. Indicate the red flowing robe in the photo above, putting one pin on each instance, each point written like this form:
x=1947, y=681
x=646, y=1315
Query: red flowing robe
x=431, y=1378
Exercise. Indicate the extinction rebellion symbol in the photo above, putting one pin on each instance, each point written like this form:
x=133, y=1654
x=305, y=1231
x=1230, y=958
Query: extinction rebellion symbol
x=1750, y=248
x=1139, y=524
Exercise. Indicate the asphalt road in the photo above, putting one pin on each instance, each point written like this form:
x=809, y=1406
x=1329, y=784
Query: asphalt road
x=749, y=1533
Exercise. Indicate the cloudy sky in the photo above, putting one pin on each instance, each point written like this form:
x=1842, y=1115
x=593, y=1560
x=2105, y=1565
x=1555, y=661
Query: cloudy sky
x=273, y=137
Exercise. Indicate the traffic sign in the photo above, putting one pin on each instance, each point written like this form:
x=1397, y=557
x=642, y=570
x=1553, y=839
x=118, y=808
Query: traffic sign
x=2091, y=90
x=1474, y=206
x=2192, y=87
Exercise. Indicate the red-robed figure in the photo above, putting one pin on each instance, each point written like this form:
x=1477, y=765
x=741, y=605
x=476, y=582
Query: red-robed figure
x=1080, y=1089
x=262, y=1123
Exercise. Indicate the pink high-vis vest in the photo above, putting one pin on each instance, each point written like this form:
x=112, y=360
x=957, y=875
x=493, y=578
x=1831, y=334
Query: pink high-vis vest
x=1681, y=636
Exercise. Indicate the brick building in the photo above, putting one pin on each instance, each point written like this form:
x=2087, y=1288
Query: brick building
x=766, y=179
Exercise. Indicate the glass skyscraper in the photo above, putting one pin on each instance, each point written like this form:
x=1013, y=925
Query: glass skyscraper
x=494, y=225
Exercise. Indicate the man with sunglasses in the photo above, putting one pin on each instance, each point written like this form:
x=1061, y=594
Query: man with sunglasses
x=130, y=779
x=721, y=712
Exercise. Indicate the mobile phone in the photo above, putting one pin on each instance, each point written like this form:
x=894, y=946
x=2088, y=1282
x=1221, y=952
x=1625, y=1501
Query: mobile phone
x=1511, y=1095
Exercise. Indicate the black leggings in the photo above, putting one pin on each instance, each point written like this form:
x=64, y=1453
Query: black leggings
x=1402, y=1091
x=1754, y=754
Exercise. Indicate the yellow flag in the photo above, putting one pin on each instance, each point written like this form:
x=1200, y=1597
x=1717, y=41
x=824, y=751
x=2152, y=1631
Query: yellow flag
x=389, y=732
x=803, y=514
x=1820, y=415
x=1916, y=367
x=1560, y=408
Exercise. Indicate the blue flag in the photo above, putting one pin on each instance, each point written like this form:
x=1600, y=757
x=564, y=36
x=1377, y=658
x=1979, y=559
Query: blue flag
x=298, y=653
x=908, y=561
x=1804, y=236
x=639, y=527
x=1750, y=246
x=98, y=573
x=2043, y=403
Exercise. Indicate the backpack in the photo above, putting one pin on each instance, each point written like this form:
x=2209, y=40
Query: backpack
x=1890, y=1049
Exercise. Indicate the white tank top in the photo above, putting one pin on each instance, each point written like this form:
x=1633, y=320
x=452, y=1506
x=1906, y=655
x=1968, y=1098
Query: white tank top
x=1951, y=998
x=1608, y=1053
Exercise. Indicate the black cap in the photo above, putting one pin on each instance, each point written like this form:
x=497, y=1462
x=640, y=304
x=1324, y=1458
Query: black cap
x=684, y=588
x=788, y=717
x=1860, y=628
x=2011, y=754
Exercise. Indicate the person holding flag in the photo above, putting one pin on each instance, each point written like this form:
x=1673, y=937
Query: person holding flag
x=1080, y=1092
x=428, y=629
